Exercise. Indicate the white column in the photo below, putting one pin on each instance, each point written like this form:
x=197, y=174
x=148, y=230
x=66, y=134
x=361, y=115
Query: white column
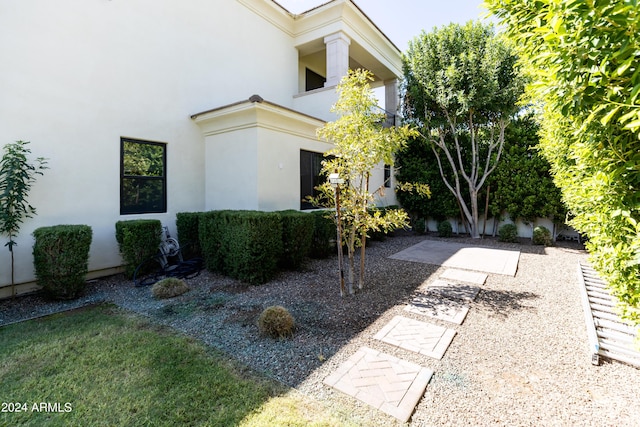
x=337, y=57
x=391, y=97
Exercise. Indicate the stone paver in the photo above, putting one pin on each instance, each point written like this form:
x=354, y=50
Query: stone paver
x=387, y=383
x=438, y=308
x=456, y=255
x=456, y=291
x=464, y=276
x=417, y=336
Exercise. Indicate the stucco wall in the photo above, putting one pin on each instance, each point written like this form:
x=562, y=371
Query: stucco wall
x=78, y=75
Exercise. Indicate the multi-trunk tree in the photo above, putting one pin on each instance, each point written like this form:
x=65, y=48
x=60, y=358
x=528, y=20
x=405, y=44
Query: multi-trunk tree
x=583, y=58
x=462, y=88
x=361, y=143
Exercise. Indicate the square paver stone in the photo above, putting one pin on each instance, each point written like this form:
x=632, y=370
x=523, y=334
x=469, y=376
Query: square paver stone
x=417, y=336
x=464, y=276
x=457, y=291
x=438, y=308
x=461, y=256
x=385, y=382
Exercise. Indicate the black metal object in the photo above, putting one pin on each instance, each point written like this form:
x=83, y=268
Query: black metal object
x=162, y=266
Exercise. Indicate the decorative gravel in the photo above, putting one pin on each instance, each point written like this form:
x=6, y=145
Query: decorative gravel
x=520, y=357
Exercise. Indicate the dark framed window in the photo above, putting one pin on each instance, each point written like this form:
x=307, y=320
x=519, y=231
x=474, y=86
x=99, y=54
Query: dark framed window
x=387, y=176
x=143, y=177
x=310, y=176
x=313, y=80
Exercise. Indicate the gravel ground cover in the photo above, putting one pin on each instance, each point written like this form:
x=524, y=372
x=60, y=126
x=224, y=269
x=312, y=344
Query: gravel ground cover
x=520, y=358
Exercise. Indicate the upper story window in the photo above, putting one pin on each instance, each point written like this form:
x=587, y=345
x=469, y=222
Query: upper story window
x=313, y=80
x=143, y=177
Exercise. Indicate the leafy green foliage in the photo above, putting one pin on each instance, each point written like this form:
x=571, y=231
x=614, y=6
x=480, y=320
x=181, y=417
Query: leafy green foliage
x=17, y=175
x=61, y=259
x=522, y=184
x=445, y=229
x=508, y=233
x=276, y=322
x=324, y=234
x=542, y=236
x=297, y=234
x=583, y=58
x=138, y=240
x=462, y=85
x=360, y=144
x=188, y=224
x=416, y=163
x=245, y=245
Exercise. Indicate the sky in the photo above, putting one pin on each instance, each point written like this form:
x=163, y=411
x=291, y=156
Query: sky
x=402, y=20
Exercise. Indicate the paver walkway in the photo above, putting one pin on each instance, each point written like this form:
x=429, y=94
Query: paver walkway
x=417, y=336
x=395, y=386
x=456, y=255
x=387, y=383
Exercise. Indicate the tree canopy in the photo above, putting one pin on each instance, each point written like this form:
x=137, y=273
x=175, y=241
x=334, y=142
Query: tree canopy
x=584, y=59
x=361, y=143
x=462, y=88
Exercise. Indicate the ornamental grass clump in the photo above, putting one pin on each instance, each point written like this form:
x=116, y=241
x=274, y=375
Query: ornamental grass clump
x=276, y=322
x=169, y=288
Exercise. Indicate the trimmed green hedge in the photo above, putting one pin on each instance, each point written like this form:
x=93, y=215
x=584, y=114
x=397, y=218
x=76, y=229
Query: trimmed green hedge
x=297, y=236
x=245, y=245
x=61, y=259
x=324, y=234
x=188, y=225
x=542, y=236
x=445, y=229
x=138, y=241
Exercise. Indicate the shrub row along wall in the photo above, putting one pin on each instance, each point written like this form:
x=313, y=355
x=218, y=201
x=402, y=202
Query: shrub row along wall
x=252, y=245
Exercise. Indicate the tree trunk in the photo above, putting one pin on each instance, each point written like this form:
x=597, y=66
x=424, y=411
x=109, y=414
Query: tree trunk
x=363, y=242
x=339, y=242
x=475, y=233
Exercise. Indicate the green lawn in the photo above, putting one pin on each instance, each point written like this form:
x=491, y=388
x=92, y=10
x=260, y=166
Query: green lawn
x=103, y=367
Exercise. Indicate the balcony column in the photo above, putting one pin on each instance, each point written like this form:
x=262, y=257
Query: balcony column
x=391, y=98
x=337, y=57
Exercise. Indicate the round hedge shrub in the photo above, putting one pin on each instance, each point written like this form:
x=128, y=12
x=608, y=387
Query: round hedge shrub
x=445, y=229
x=276, y=322
x=61, y=259
x=169, y=288
x=419, y=225
x=508, y=233
x=542, y=236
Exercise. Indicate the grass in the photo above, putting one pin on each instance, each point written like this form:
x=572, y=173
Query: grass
x=103, y=367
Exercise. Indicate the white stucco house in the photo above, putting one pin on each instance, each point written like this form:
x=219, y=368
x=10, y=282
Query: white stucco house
x=146, y=108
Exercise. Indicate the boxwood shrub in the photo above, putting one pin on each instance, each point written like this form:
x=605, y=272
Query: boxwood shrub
x=508, y=233
x=138, y=240
x=210, y=228
x=245, y=245
x=61, y=259
x=542, y=236
x=188, y=225
x=445, y=229
x=324, y=234
x=297, y=235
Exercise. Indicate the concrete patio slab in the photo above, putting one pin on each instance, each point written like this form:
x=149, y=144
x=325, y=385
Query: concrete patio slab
x=419, y=337
x=464, y=276
x=438, y=308
x=449, y=290
x=385, y=382
x=460, y=256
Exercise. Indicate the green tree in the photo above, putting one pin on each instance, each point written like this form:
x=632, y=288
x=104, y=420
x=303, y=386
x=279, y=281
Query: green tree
x=522, y=185
x=462, y=85
x=16, y=177
x=583, y=57
x=361, y=143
